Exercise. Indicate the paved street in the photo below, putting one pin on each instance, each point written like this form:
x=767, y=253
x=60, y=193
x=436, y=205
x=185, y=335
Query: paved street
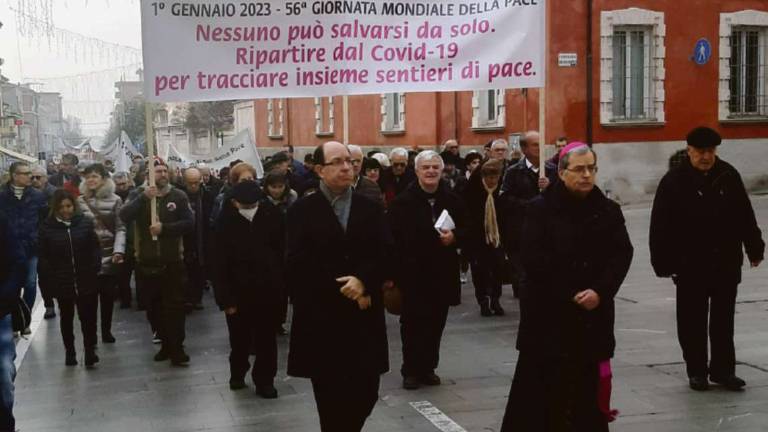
x=129, y=392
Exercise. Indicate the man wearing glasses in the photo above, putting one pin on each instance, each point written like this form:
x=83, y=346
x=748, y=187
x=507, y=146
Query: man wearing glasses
x=68, y=178
x=576, y=253
x=398, y=177
x=336, y=243
x=40, y=182
x=24, y=207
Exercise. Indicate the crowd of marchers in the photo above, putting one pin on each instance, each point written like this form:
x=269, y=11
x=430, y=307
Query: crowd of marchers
x=345, y=236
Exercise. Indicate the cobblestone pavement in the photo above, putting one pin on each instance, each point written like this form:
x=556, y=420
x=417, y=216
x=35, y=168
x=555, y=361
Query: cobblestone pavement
x=130, y=392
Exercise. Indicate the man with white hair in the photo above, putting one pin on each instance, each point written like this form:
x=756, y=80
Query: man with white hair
x=362, y=185
x=398, y=176
x=451, y=155
x=427, y=266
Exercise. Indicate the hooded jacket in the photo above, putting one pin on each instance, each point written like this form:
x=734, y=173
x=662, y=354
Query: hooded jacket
x=109, y=227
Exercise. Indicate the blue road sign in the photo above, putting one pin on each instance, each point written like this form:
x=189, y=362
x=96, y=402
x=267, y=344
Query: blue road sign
x=703, y=52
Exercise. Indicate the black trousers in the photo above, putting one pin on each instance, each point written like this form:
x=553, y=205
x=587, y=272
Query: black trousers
x=344, y=402
x=86, y=311
x=195, y=282
x=421, y=335
x=554, y=395
x=165, y=298
x=124, y=280
x=706, y=308
x=487, y=270
x=249, y=331
x=107, y=287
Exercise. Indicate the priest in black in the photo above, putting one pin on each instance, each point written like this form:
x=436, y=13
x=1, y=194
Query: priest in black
x=426, y=266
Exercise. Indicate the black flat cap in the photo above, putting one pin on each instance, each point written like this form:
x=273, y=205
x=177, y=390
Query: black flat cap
x=703, y=137
x=247, y=192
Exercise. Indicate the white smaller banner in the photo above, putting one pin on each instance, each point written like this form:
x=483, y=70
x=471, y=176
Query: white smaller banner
x=121, y=152
x=241, y=147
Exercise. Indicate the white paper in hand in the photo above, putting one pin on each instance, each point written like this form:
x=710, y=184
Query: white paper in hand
x=445, y=222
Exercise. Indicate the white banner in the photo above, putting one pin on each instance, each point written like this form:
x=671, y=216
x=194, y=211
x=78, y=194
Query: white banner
x=198, y=50
x=121, y=152
x=240, y=147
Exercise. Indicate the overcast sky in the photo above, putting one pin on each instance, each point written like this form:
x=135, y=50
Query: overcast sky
x=115, y=21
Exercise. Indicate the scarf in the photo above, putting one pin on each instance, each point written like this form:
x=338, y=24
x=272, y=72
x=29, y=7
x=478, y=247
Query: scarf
x=492, y=237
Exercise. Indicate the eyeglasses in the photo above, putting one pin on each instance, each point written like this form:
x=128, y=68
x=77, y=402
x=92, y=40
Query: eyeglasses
x=356, y=162
x=591, y=169
x=36, y=177
x=399, y=164
x=337, y=162
x=23, y=172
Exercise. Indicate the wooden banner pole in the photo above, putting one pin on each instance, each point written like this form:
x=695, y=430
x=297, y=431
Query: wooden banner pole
x=543, y=99
x=346, y=119
x=149, y=133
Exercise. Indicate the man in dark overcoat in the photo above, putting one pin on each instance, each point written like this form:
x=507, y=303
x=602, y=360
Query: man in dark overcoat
x=702, y=221
x=336, y=255
x=426, y=267
x=576, y=253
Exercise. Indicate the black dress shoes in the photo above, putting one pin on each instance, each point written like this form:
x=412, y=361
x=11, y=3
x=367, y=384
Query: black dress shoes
x=698, y=383
x=731, y=382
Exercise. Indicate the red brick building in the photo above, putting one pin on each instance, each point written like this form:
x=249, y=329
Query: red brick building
x=649, y=81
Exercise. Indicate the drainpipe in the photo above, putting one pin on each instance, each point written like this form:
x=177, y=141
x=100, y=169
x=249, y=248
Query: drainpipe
x=590, y=89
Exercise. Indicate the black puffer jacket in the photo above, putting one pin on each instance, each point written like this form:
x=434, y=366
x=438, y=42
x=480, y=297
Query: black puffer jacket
x=569, y=246
x=69, y=258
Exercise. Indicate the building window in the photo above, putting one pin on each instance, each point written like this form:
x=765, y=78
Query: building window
x=632, y=66
x=323, y=116
x=747, y=67
x=275, y=118
x=488, y=109
x=632, y=74
x=393, y=112
x=743, y=56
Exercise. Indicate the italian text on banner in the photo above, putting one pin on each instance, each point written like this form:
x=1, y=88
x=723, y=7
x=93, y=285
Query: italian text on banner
x=198, y=50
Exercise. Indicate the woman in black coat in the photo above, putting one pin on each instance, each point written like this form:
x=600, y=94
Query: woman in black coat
x=484, y=245
x=249, y=284
x=68, y=265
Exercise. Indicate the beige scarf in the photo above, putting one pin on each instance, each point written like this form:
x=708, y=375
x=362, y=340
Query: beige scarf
x=492, y=237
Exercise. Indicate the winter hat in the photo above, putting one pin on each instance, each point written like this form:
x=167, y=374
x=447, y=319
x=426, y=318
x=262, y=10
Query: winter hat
x=703, y=137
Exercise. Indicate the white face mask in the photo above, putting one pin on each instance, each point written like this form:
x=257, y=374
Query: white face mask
x=248, y=213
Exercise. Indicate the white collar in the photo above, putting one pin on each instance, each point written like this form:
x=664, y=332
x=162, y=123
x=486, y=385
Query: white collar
x=531, y=166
